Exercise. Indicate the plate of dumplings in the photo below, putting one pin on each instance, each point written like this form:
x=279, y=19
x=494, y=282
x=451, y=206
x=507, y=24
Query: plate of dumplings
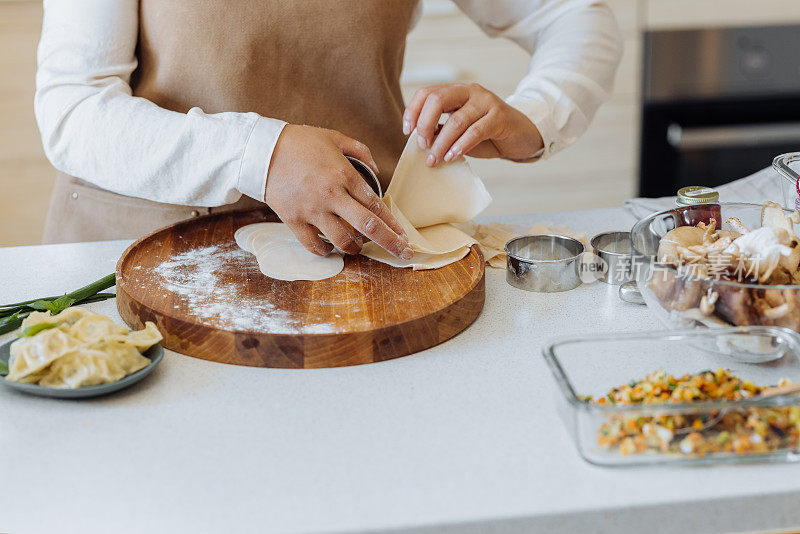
x=78, y=354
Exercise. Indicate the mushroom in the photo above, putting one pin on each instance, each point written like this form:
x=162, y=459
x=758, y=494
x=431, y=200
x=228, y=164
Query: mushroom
x=737, y=225
x=717, y=246
x=730, y=234
x=708, y=229
x=772, y=216
x=683, y=236
x=708, y=301
x=792, y=261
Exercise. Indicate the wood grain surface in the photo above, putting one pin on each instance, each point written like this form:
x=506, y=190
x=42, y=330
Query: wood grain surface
x=210, y=300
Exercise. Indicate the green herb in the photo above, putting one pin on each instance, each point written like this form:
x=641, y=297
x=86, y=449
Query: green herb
x=12, y=322
x=11, y=315
x=35, y=329
x=55, y=305
x=60, y=304
x=94, y=288
x=7, y=309
x=39, y=305
x=3, y=368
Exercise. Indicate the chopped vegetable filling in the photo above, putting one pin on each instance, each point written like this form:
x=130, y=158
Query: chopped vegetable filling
x=747, y=430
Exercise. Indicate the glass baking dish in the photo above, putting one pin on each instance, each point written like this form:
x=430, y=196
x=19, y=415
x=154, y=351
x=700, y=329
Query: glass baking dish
x=789, y=175
x=758, y=428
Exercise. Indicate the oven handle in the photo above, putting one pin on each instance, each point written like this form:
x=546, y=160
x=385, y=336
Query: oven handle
x=682, y=138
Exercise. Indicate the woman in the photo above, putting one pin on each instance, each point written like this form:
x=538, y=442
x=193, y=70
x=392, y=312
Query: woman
x=158, y=110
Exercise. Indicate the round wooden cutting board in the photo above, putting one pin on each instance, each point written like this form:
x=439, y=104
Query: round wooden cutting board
x=210, y=300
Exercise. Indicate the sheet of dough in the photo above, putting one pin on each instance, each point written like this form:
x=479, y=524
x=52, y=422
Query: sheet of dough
x=434, y=246
x=281, y=256
x=447, y=193
x=419, y=262
x=242, y=234
x=425, y=201
x=436, y=239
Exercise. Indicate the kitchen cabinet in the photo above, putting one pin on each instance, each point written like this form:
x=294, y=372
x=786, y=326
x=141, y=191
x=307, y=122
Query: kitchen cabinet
x=684, y=14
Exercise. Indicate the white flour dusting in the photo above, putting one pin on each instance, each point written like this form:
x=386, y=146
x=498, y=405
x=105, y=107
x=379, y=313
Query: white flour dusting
x=193, y=277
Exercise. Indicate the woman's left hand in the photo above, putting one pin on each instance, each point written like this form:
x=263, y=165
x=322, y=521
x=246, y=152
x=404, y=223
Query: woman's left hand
x=481, y=124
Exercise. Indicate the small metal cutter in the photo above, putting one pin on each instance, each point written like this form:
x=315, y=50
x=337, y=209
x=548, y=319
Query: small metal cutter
x=614, y=249
x=544, y=263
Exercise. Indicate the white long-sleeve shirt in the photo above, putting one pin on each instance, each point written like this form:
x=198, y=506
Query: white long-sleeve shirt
x=93, y=128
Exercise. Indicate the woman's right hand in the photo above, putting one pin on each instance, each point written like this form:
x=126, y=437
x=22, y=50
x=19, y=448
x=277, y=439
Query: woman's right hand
x=313, y=188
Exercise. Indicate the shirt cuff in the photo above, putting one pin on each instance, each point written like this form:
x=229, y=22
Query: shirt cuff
x=257, y=157
x=539, y=114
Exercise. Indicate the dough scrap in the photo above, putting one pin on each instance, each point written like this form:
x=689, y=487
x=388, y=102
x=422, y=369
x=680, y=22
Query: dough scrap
x=420, y=261
x=492, y=237
x=425, y=201
x=447, y=193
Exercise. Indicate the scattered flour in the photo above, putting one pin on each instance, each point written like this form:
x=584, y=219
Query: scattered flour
x=193, y=277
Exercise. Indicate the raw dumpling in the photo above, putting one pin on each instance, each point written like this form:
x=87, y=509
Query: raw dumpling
x=96, y=327
x=419, y=262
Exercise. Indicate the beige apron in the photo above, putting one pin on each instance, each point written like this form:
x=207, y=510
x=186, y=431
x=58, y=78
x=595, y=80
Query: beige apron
x=334, y=64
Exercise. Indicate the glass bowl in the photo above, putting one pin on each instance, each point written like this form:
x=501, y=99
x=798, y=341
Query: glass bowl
x=788, y=167
x=758, y=428
x=677, y=299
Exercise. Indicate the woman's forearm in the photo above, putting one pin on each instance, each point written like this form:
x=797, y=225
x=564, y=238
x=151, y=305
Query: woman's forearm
x=575, y=48
x=93, y=128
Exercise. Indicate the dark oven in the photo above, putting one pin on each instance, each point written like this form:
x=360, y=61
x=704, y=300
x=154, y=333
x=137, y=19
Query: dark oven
x=718, y=105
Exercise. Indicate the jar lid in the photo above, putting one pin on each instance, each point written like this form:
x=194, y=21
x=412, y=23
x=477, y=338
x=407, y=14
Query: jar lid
x=696, y=194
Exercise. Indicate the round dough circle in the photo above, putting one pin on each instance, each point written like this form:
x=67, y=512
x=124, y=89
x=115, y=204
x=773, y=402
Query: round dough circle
x=241, y=234
x=289, y=260
x=278, y=232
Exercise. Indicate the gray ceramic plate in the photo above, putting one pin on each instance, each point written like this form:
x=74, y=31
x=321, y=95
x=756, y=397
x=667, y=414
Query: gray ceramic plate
x=155, y=353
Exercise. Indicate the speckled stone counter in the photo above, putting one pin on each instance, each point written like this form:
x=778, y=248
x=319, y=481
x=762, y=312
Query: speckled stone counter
x=463, y=437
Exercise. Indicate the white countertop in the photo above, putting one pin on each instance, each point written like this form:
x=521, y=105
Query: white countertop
x=464, y=434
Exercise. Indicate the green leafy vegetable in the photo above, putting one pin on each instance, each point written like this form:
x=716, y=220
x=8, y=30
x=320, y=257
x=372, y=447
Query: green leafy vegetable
x=11, y=323
x=93, y=288
x=11, y=315
x=35, y=329
x=40, y=305
x=3, y=368
x=61, y=304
